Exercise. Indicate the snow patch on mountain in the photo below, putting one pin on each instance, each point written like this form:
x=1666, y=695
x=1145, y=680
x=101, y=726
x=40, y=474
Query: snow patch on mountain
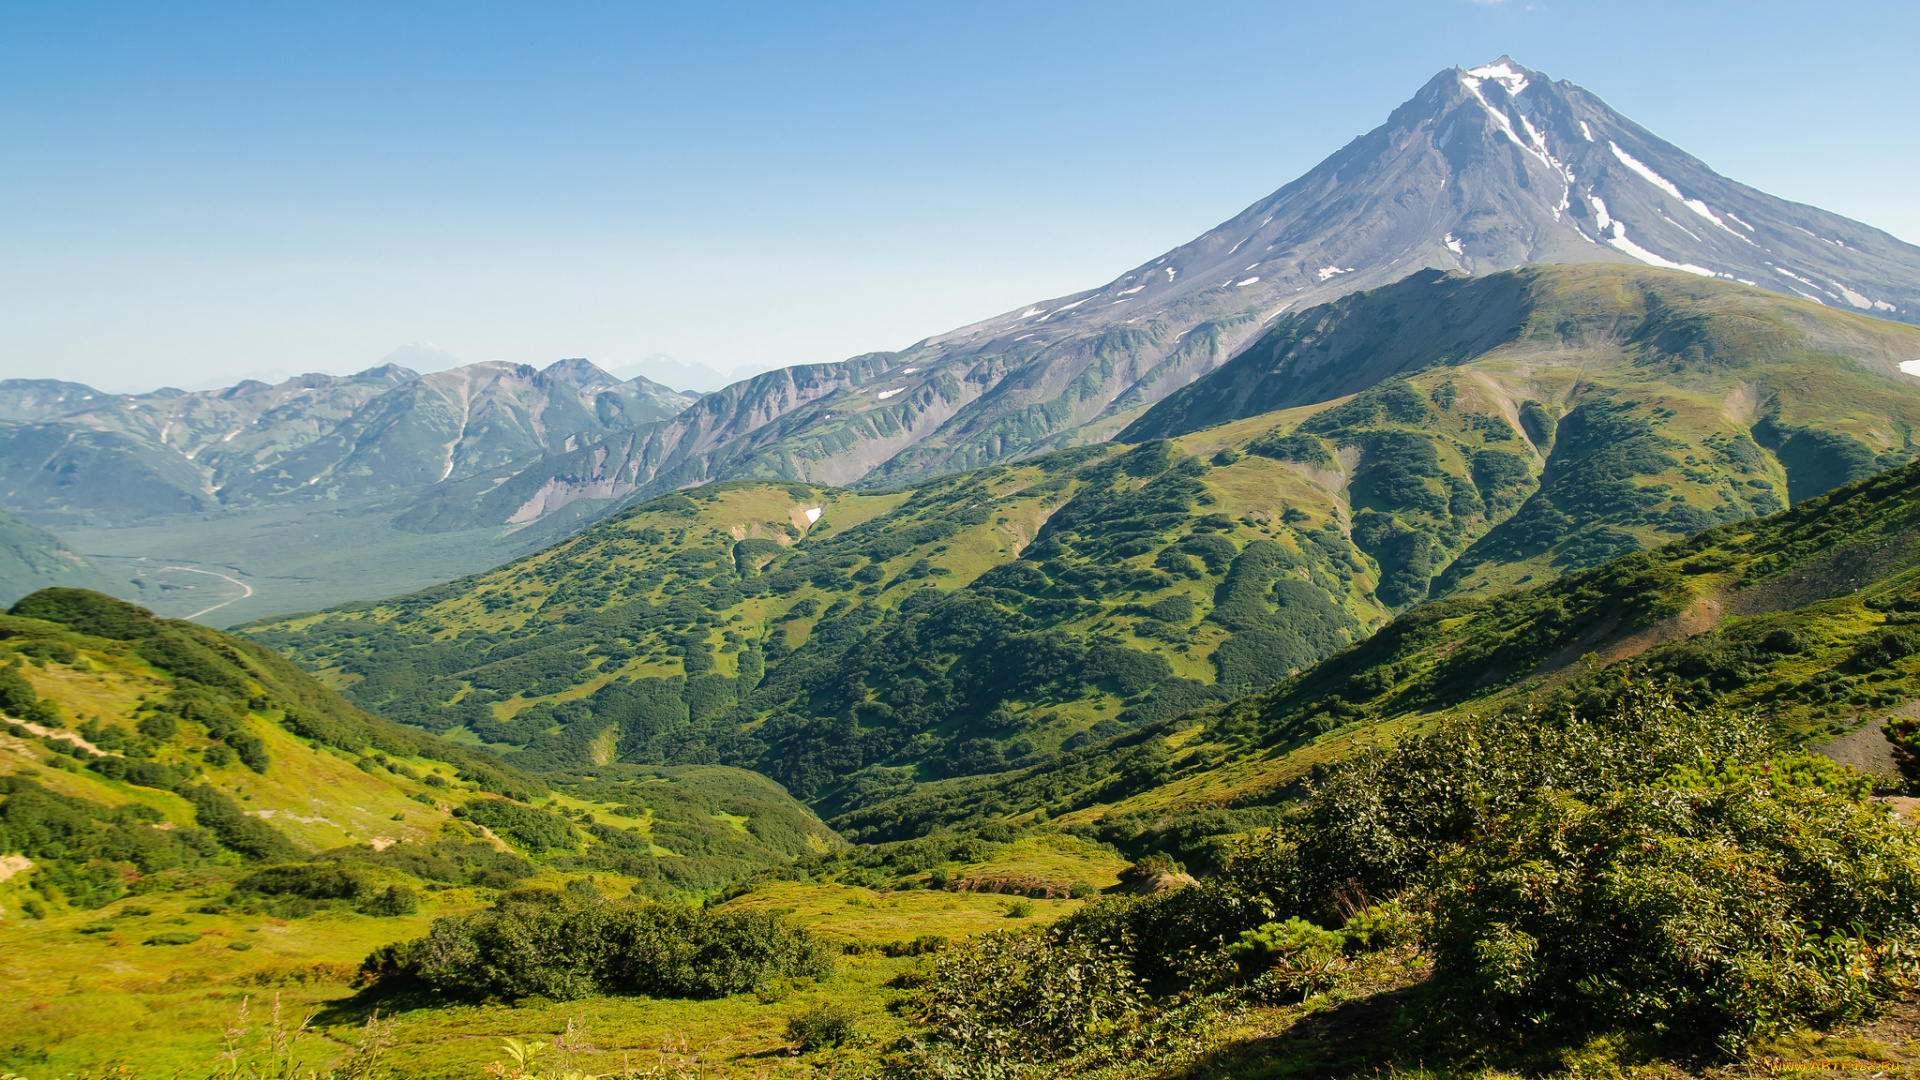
x=1615, y=233
x=1665, y=185
x=1853, y=298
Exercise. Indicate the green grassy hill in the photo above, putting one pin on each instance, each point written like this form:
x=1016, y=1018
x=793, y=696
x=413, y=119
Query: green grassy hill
x=1803, y=618
x=162, y=746
x=188, y=821
x=899, y=637
x=1639, y=405
x=1493, y=431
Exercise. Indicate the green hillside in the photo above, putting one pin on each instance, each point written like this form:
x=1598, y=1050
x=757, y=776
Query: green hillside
x=32, y=558
x=1801, y=618
x=239, y=758
x=1654, y=403
x=898, y=638
x=188, y=821
x=1519, y=427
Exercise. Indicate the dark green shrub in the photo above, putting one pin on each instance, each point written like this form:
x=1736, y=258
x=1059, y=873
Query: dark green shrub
x=820, y=1027
x=248, y=836
x=1296, y=447
x=1259, y=949
x=392, y=901
x=179, y=654
x=172, y=938
x=1882, y=648
x=89, y=613
x=251, y=750
x=540, y=942
x=919, y=946
x=17, y=697
x=1714, y=912
x=532, y=828
x=315, y=881
x=1378, y=819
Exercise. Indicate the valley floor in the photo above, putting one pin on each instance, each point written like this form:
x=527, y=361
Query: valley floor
x=91, y=995
x=88, y=993
x=292, y=559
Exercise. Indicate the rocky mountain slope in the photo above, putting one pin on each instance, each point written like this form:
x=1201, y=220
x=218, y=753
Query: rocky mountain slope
x=1482, y=170
x=854, y=644
x=70, y=452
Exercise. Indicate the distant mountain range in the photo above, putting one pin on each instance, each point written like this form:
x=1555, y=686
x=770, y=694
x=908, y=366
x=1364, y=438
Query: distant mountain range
x=67, y=450
x=1483, y=170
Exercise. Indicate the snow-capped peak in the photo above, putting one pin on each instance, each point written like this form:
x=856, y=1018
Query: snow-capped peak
x=1503, y=71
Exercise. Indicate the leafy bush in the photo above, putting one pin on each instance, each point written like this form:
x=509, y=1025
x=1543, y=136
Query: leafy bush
x=539, y=942
x=394, y=900
x=1296, y=447
x=82, y=847
x=1721, y=912
x=1381, y=926
x=532, y=828
x=17, y=698
x=1885, y=647
x=1296, y=938
x=821, y=1026
x=247, y=835
x=1376, y=821
x=314, y=881
x=1003, y=1004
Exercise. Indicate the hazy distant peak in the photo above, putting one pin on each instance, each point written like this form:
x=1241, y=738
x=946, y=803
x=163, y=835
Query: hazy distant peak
x=581, y=373
x=421, y=356
x=392, y=373
x=679, y=374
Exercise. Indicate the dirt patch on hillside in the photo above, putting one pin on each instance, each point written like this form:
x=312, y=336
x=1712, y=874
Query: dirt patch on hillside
x=1865, y=749
x=1604, y=643
x=1837, y=573
x=1012, y=885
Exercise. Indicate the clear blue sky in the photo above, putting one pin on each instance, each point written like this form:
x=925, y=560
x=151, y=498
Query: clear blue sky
x=190, y=192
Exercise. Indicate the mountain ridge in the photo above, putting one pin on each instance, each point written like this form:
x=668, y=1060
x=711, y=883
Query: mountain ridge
x=1460, y=177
